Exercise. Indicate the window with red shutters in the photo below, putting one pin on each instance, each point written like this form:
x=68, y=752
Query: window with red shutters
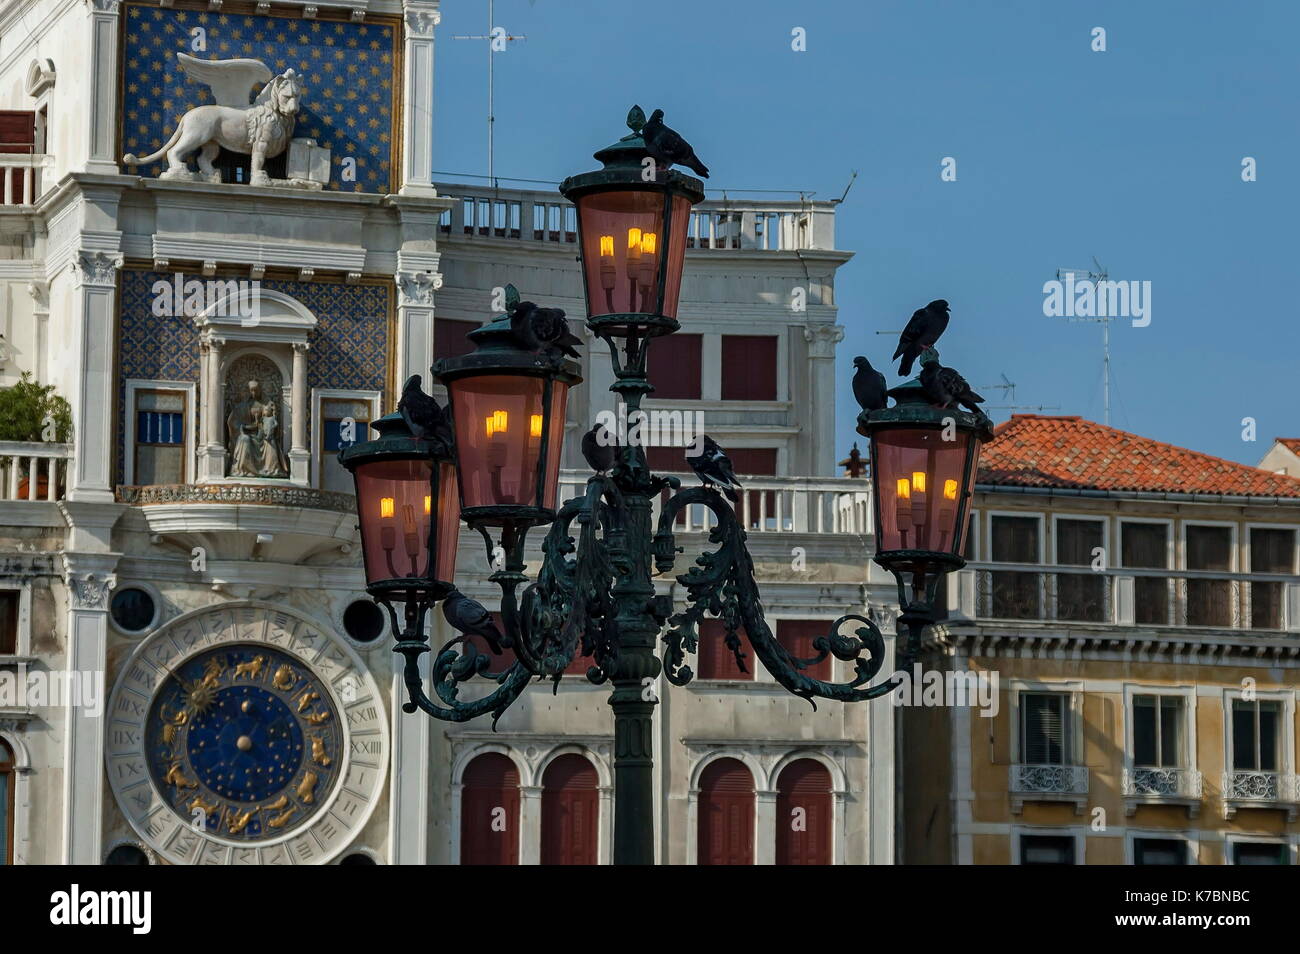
x=489, y=811
x=797, y=636
x=570, y=812
x=674, y=367
x=803, y=814
x=17, y=135
x=449, y=339
x=726, y=814
x=715, y=660
x=749, y=367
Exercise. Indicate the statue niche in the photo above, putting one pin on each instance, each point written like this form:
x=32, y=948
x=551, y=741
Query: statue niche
x=254, y=435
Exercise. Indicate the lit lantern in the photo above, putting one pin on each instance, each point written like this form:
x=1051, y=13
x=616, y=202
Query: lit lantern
x=632, y=232
x=407, y=543
x=508, y=406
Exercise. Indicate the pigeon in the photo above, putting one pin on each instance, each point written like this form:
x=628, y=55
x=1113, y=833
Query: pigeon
x=471, y=618
x=713, y=467
x=599, y=448
x=924, y=329
x=664, y=145
x=535, y=328
x=944, y=387
x=422, y=414
x=868, y=385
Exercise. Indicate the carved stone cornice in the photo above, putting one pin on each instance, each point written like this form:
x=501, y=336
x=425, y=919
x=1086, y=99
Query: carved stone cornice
x=822, y=339
x=420, y=23
x=90, y=579
x=417, y=288
x=98, y=269
x=273, y=495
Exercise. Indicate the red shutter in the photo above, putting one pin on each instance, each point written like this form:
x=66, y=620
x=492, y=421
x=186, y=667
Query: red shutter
x=748, y=367
x=797, y=636
x=715, y=660
x=726, y=814
x=570, y=812
x=674, y=368
x=449, y=339
x=803, y=814
x=757, y=462
x=17, y=135
x=496, y=663
x=490, y=800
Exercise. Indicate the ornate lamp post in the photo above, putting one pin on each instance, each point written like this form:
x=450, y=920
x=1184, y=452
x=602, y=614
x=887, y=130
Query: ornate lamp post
x=593, y=595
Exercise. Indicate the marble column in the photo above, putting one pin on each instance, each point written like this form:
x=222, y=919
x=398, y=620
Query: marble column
x=92, y=400
x=101, y=76
x=820, y=423
x=417, y=118
x=212, y=450
x=530, y=824
x=40, y=292
x=299, y=453
x=415, y=291
x=765, y=821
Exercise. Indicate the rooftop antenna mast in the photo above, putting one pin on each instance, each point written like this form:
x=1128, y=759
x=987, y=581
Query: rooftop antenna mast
x=497, y=38
x=1008, y=389
x=1100, y=275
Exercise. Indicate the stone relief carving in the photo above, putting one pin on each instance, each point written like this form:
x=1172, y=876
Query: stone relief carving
x=98, y=268
x=417, y=288
x=91, y=590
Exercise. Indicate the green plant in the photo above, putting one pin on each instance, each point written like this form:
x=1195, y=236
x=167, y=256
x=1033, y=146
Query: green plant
x=33, y=412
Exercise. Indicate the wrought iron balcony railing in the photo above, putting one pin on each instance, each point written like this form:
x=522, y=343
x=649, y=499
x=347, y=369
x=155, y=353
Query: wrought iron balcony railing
x=1049, y=779
x=1260, y=786
x=1162, y=783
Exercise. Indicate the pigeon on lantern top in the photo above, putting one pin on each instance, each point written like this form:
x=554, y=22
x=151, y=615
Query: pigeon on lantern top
x=713, y=467
x=599, y=449
x=471, y=618
x=868, y=385
x=944, y=387
x=667, y=147
x=536, y=328
x=427, y=421
x=923, y=330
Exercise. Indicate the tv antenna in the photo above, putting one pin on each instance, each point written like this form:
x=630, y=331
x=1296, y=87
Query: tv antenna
x=1008, y=389
x=495, y=35
x=1100, y=275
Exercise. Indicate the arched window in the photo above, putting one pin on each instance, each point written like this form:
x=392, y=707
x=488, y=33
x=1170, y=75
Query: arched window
x=7, y=781
x=570, y=812
x=803, y=814
x=726, y=814
x=489, y=811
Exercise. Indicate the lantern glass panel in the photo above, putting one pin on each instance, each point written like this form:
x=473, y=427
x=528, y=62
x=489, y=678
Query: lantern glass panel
x=920, y=483
x=499, y=420
x=623, y=251
x=448, y=522
x=394, y=498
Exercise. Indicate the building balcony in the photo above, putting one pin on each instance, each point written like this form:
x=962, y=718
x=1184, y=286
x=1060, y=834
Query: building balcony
x=22, y=180
x=1251, y=789
x=1048, y=783
x=1162, y=786
x=715, y=225
x=33, y=477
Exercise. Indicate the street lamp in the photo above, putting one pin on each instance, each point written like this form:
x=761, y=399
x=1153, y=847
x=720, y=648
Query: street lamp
x=593, y=595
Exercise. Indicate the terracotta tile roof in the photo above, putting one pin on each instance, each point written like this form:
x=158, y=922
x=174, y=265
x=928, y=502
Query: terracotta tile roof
x=1033, y=450
x=1290, y=443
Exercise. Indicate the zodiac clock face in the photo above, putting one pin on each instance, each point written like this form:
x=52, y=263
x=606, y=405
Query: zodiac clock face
x=245, y=734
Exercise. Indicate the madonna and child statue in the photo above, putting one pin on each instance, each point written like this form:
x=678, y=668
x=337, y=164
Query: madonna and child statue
x=253, y=437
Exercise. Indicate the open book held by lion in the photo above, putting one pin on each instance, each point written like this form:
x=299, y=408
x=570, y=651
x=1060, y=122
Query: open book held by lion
x=261, y=129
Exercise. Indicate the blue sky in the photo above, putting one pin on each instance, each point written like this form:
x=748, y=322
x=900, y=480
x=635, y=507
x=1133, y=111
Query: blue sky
x=1132, y=155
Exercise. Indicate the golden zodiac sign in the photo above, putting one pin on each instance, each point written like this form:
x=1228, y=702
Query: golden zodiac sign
x=212, y=671
x=177, y=778
x=279, y=821
x=306, y=699
x=239, y=822
x=284, y=677
x=252, y=668
x=306, y=787
x=319, y=717
x=198, y=804
x=318, y=751
x=278, y=804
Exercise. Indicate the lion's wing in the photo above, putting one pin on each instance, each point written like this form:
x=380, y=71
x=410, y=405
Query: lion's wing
x=230, y=80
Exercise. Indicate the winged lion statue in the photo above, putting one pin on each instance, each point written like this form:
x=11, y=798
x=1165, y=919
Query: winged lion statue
x=261, y=129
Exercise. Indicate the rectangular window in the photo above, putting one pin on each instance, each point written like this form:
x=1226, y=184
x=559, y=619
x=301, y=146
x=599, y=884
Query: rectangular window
x=1271, y=551
x=449, y=339
x=1045, y=729
x=1255, y=735
x=1209, y=602
x=159, y=437
x=796, y=637
x=1146, y=546
x=1259, y=853
x=748, y=367
x=674, y=367
x=1046, y=850
x=8, y=622
x=1158, y=731
x=1015, y=592
x=341, y=418
x=715, y=659
x=1159, y=851
x=1080, y=596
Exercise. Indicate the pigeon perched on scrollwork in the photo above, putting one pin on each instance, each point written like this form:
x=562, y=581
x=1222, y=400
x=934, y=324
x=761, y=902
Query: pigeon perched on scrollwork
x=471, y=618
x=422, y=414
x=599, y=448
x=945, y=387
x=667, y=147
x=923, y=330
x=713, y=467
x=868, y=386
x=536, y=328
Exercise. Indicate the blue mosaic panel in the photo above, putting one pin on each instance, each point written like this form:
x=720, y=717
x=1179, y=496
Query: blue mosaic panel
x=349, y=346
x=351, y=73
